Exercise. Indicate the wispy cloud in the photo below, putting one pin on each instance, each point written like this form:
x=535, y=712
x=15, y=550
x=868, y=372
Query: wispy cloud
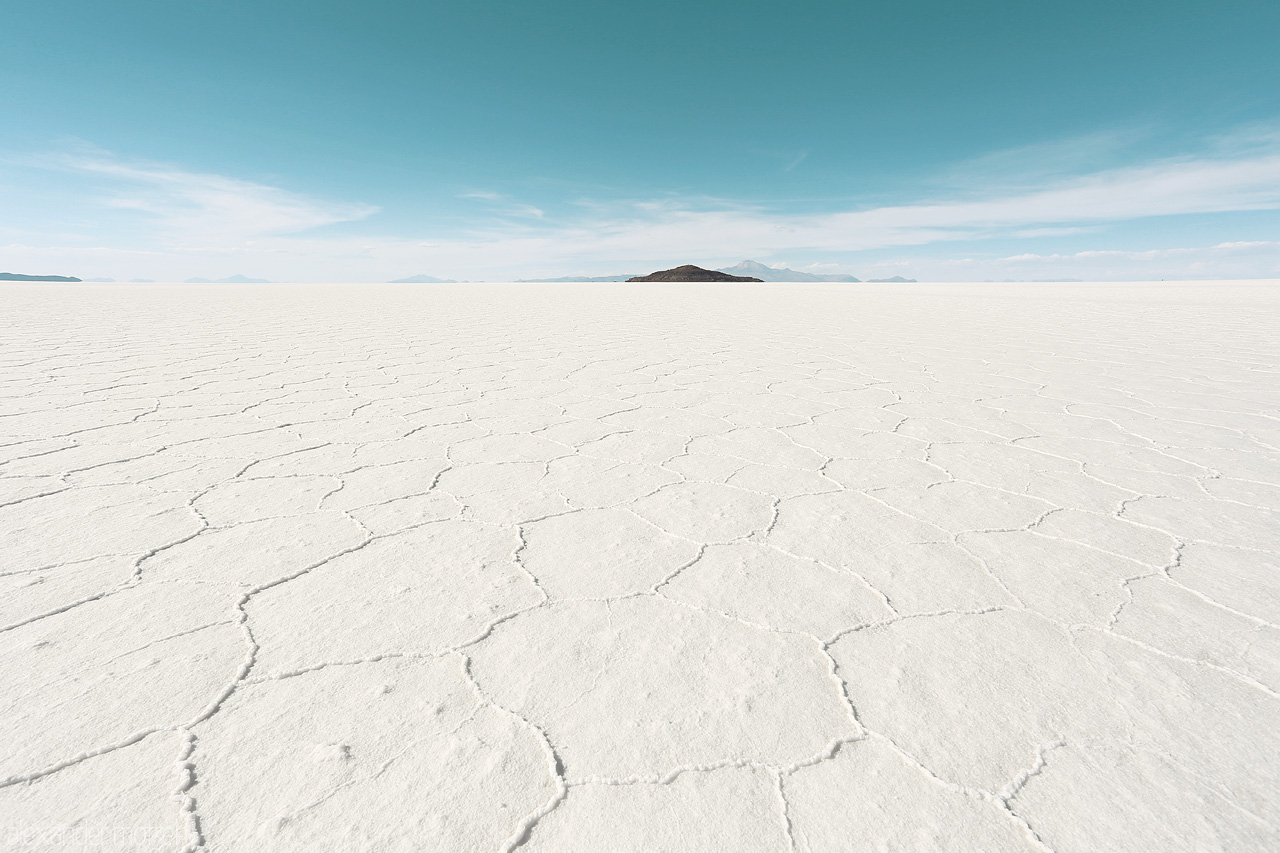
x=1162, y=189
x=673, y=228
x=1244, y=259
x=1090, y=254
x=270, y=231
x=204, y=208
x=1235, y=174
x=796, y=161
x=502, y=205
x=1031, y=166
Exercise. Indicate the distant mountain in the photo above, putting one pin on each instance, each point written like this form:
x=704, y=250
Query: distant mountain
x=576, y=278
x=14, y=276
x=764, y=273
x=897, y=279
x=688, y=272
x=231, y=279
x=423, y=279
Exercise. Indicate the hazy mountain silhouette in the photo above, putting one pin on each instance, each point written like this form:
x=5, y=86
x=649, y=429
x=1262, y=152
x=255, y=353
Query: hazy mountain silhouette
x=764, y=273
x=423, y=279
x=897, y=279
x=231, y=279
x=16, y=276
x=577, y=278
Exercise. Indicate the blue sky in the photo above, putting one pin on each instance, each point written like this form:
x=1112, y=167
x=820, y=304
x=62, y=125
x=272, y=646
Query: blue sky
x=481, y=140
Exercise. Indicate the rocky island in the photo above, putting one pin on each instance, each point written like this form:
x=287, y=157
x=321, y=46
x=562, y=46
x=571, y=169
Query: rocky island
x=689, y=272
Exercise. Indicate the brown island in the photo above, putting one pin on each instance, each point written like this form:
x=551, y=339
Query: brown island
x=689, y=272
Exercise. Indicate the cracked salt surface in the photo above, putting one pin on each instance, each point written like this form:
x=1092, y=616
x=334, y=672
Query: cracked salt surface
x=779, y=568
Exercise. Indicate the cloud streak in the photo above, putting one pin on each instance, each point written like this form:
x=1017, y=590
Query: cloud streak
x=201, y=208
x=201, y=217
x=1163, y=189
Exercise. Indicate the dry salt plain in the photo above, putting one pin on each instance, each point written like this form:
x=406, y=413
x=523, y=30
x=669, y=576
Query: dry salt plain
x=640, y=568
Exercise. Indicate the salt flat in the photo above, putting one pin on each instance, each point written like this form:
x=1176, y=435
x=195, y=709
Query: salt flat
x=662, y=567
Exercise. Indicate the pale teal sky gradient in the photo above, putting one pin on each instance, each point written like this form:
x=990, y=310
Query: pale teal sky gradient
x=326, y=141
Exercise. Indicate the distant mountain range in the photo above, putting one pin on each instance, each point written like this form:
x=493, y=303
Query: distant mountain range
x=575, y=278
x=423, y=279
x=14, y=276
x=758, y=270
x=231, y=279
x=897, y=279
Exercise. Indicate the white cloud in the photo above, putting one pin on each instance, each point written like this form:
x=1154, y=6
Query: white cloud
x=200, y=208
x=669, y=228
x=1055, y=231
x=1246, y=244
x=1030, y=166
x=205, y=223
x=796, y=161
x=1255, y=259
x=502, y=205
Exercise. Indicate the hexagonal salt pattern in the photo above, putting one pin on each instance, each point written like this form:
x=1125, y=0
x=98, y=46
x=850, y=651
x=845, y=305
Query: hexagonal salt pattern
x=654, y=568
